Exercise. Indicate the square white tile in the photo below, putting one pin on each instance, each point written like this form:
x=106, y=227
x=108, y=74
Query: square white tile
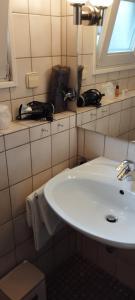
x=88, y=36
x=43, y=66
x=56, y=60
x=71, y=36
x=7, y=263
x=5, y=206
x=60, y=147
x=40, y=7
x=56, y=7
x=21, y=35
x=125, y=119
x=115, y=149
x=41, y=178
x=115, y=107
x=41, y=155
x=3, y=171
x=132, y=122
x=23, y=66
x=64, y=35
x=131, y=151
x=19, y=164
x=114, y=124
x=56, y=36
x=72, y=63
x=2, y=146
x=72, y=121
x=21, y=230
x=90, y=126
x=60, y=167
x=6, y=238
x=39, y=132
x=102, y=125
x=80, y=142
x=73, y=142
x=64, y=7
x=18, y=193
x=19, y=6
x=94, y=144
x=4, y=95
x=18, y=138
x=40, y=30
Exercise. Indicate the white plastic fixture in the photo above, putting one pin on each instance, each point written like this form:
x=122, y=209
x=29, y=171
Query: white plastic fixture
x=76, y=1
x=98, y=3
x=103, y=3
x=89, y=12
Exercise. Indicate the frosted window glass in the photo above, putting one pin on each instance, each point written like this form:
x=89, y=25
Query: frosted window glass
x=123, y=36
x=3, y=38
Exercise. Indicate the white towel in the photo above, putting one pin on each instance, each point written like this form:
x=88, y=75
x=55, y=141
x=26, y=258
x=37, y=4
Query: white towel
x=49, y=218
x=40, y=232
x=41, y=218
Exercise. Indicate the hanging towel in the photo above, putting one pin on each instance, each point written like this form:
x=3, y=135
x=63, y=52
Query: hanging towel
x=49, y=218
x=34, y=221
x=41, y=218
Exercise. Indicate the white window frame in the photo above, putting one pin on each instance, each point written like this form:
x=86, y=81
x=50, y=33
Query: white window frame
x=11, y=54
x=104, y=62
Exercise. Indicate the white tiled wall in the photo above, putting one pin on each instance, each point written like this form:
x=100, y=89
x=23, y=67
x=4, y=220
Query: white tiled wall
x=118, y=262
x=114, y=118
x=30, y=154
x=92, y=144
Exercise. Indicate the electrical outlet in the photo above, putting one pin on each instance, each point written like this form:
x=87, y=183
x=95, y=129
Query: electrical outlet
x=32, y=80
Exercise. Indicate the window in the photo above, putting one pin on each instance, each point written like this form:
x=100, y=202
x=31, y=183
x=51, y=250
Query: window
x=115, y=42
x=7, y=63
x=123, y=35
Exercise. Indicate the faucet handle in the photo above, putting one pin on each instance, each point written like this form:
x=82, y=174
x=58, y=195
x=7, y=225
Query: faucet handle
x=130, y=163
x=125, y=169
x=124, y=164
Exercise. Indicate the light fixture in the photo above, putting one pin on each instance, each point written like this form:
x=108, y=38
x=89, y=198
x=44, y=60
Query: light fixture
x=89, y=12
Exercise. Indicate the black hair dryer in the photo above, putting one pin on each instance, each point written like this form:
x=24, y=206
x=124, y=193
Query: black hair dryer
x=90, y=97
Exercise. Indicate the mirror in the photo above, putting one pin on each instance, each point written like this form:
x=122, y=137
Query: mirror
x=7, y=56
x=116, y=115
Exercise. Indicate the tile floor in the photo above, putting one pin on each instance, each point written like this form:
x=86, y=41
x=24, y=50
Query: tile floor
x=78, y=279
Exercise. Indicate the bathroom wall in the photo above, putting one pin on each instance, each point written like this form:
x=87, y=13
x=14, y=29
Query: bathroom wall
x=116, y=118
x=29, y=156
x=118, y=262
x=32, y=153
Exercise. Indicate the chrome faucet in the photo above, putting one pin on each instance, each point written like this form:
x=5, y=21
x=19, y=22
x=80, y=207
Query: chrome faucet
x=126, y=169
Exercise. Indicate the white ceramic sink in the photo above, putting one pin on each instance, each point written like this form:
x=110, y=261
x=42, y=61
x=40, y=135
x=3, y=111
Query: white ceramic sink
x=88, y=197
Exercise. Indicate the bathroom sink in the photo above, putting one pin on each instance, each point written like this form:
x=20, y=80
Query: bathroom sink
x=91, y=199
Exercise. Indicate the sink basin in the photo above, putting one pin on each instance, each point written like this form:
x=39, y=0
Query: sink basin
x=91, y=199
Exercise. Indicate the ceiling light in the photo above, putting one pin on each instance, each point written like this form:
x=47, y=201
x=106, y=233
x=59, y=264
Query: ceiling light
x=90, y=12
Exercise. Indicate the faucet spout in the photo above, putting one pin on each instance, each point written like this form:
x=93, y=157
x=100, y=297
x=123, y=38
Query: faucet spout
x=126, y=169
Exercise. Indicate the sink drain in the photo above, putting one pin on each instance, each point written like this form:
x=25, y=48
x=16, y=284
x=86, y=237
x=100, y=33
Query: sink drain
x=111, y=219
